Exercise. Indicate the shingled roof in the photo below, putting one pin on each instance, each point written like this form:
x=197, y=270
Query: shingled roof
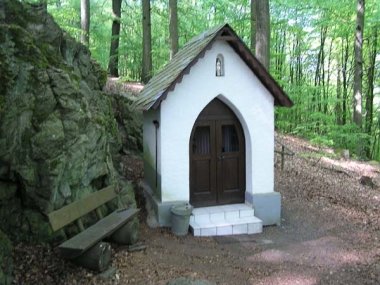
x=158, y=87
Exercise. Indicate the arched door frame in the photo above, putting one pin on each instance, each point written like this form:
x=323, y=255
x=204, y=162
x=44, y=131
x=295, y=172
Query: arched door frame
x=218, y=169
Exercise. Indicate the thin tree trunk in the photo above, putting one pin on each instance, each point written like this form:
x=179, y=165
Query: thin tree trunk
x=358, y=74
x=371, y=85
x=338, y=105
x=147, y=42
x=376, y=146
x=327, y=85
x=292, y=61
x=280, y=44
x=173, y=27
x=113, y=63
x=298, y=60
x=85, y=21
x=345, y=57
x=283, y=53
x=319, y=71
x=370, y=90
x=263, y=32
x=298, y=75
x=253, y=25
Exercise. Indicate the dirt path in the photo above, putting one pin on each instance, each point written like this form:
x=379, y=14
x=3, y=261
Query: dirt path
x=330, y=234
x=314, y=245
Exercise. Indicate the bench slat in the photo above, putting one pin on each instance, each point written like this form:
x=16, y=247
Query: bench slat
x=68, y=214
x=105, y=227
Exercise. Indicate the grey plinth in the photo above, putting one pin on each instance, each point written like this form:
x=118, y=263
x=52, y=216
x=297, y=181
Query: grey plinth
x=267, y=207
x=161, y=210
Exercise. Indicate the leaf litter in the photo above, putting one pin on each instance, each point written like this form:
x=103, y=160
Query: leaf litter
x=330, y=234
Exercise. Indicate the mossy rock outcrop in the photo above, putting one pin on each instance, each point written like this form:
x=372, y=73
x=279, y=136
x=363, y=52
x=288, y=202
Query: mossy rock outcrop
x=58, y=133
x=6, y=262
x=130, y=121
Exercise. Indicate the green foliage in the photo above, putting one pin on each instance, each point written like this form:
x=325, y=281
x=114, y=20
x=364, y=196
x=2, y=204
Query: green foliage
x=68, y=17
x=317, y=74
x=322, y=141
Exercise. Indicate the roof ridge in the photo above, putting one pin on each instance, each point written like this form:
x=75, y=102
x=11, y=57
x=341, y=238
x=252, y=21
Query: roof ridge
x=210, y=32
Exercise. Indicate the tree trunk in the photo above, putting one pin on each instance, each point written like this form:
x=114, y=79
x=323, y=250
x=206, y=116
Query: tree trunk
x=371, y=85
x=253, y=25
x=85, y=21
x=358, y=72
x=173, y=28
x=299, y=71
x=280, y=52
x=298, y=75
x=370, y=90
x=345, y=57
x=326, y=91
x=283, y=53
x=147, y=42
x=263, y=32
x=113, y=64
x=319, y=71
x=338, y=104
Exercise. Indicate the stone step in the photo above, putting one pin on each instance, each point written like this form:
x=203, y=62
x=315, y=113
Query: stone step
x=248, y=225
x=224, y=220
x=220, y=213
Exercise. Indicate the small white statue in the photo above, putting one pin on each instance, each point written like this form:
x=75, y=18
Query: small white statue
x=219, y=71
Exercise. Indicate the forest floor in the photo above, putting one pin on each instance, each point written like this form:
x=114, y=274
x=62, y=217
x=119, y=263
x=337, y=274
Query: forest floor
x=330, y=234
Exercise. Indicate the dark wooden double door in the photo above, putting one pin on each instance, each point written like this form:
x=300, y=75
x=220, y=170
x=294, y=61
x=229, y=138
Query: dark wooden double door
x=217, y=157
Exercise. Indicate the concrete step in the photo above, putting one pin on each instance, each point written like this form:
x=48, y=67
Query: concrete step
x=224, y=220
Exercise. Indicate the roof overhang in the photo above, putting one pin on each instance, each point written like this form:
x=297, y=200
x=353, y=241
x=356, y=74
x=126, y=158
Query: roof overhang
x=157, y=88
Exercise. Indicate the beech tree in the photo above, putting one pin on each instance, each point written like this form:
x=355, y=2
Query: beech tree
x=173, y=27
x=358, y=73
x=147, y=42
x=371, y=75
x=262, y=45
x=113, y=64
x=85, y=21
x=253, y=25
x=312, y=54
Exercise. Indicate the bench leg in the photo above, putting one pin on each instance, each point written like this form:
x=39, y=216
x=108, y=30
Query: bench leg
x=96, y=258
x=127, y=234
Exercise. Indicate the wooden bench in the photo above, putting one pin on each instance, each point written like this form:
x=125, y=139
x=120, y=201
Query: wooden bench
x=86, y=248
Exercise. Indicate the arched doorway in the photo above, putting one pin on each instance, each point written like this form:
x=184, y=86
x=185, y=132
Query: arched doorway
x=217, y=157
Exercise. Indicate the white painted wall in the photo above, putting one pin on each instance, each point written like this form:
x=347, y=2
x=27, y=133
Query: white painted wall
x=243, y=93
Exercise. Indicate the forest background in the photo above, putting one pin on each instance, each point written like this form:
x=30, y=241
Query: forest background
x=324, y=53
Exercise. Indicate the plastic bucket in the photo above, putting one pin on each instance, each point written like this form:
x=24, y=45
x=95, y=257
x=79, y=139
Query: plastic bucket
x=180, y=219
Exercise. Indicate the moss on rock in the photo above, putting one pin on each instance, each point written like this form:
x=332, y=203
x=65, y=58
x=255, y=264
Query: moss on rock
x=58, y=135
x=6, y=261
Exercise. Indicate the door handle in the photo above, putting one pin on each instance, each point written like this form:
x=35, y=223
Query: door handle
x=221, y=156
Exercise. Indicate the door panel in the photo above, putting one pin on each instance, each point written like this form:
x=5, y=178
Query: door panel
x=202, y=173
x=217, y=157
x=231, y=172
